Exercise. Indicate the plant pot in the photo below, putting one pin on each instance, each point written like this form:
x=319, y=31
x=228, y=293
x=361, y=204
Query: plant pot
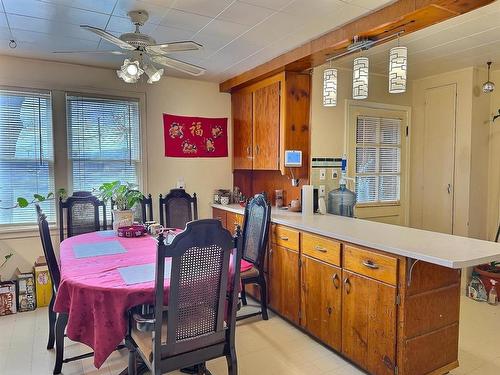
x=122, y=218
x=485, y=274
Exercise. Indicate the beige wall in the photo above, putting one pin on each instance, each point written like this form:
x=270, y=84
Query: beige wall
x=178, y=96
x=494, y=161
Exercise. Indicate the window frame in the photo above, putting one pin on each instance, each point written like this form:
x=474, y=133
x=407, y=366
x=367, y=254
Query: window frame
x=12, y=228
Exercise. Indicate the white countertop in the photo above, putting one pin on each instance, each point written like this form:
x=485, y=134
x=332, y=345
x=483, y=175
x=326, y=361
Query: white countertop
x=438, y=248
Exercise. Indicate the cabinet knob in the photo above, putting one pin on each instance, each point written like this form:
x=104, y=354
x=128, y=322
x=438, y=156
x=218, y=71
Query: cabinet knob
x=320, y=248
x=283, y=238
x=347, y=285
x=370, y=264
x=257, y=149
x=336, y=281
x=249, y=151
x=329, y=310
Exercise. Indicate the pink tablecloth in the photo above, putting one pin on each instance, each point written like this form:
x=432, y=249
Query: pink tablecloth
x=94, y=294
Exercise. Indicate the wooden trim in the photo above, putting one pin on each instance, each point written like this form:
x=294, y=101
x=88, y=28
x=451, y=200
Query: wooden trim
x=445, y=369
x=407, y=15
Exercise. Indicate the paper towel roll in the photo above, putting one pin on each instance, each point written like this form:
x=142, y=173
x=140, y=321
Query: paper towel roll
x=307, y=199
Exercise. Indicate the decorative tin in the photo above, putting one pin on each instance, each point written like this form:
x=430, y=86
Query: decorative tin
x=8, y=298
x=26, y=292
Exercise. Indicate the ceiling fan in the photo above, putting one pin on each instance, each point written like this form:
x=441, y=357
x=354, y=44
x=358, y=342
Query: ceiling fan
x=144, y=51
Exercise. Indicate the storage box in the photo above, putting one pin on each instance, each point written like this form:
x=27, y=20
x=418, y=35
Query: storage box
x=8, y=298
x=25, y=292
x=43, y=283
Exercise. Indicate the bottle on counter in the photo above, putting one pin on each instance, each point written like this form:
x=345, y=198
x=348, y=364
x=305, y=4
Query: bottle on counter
x=492, y=295
x=278, y=198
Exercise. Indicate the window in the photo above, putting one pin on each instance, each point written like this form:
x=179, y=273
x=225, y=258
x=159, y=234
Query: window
x=103, y=141
x=26, y=153
x=378, y=159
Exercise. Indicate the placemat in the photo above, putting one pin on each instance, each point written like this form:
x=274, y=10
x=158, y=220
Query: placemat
x=94, y=249
x=141, y=273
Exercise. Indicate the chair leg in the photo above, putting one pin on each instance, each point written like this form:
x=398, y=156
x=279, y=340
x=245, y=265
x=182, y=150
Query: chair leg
x=52, y=323
x=232, y=363
x=61, y=322
x=132, y=362
x=263, y=297
x=243, y=294
x=201, y=368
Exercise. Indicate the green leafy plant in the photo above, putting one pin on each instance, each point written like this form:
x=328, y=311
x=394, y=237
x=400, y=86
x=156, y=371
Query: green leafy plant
x=6, y=259
x=23, y=202
x=124, y=195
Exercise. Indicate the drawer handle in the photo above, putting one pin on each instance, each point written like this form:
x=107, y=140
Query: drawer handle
x=283, y=238
x=370, y=264
x=329, y=310
x=347, y=285
x=320, y=248
x=249, y=153
x=336, y=281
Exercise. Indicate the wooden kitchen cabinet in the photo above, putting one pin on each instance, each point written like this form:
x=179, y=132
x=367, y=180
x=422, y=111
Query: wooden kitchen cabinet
x=283, y=280
x=321, y=301
x=242, y=111
x=219, y=215
x=369, y=323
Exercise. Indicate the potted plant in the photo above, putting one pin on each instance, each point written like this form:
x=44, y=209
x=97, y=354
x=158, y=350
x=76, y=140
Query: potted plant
x=124, y=196
x=488, y=272
x=4, y=262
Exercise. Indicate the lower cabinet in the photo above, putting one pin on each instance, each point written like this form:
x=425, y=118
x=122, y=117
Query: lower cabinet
x=369, y=323
x=283, y=280
x=321, y=301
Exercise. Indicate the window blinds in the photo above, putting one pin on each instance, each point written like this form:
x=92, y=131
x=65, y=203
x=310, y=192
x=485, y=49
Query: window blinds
x=378, y=159
x=103, y=141
x=26, y=153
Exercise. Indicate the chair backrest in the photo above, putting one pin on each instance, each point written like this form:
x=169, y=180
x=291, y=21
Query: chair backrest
x=256, y=230
x=178, y=208
x=143, y=210
x=204, y=286
x=48, y=249
x=82, y=214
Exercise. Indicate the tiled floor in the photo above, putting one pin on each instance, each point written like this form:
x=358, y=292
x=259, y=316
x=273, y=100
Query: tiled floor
x=264, y=348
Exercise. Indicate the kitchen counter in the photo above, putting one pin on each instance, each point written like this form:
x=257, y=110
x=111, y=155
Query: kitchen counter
x=432, y=247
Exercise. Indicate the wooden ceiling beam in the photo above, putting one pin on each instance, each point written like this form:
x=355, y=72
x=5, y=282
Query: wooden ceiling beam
x=407, y=15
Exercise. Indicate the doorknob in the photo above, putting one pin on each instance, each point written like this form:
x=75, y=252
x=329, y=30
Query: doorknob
x=449, y=188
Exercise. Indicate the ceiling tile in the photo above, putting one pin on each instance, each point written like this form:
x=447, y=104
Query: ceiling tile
x=307, y=8
x=219, y=33
x=100, y=6
x=184, y=20
x=53, y=43
x=369, y=4
x=271, y=4
x=120, y=25
x=275, y=27
x=164, y=34
x=210, y=8
x=245, y=14
x=34, y=8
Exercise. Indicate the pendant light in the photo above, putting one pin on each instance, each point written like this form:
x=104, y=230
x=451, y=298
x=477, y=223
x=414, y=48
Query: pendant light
x=488, y=86
x=360, y=78
x=398, y=67
x=330, y=87
x=130, y=71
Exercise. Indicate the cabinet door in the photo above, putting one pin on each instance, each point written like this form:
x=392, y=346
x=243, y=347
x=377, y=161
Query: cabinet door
x=369, y=323
x=231, y=221
x=219, y=215
x=274, y=277
x=266, y=127
x=321, y=301
x=242, y=130
x=290, y=284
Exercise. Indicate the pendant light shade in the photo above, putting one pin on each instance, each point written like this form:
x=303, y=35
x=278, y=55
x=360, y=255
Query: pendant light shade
x=360, y=78
x=398, y=67
x=330, y=88
x=488, y=86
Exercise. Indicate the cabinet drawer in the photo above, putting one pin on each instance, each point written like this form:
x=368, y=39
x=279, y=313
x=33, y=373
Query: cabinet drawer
x=285, y=237
x=232, y=220
x=378, y=266
x=321, y=248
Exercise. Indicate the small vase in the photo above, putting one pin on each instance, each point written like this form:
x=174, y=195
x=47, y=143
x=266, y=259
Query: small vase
x=122, y=218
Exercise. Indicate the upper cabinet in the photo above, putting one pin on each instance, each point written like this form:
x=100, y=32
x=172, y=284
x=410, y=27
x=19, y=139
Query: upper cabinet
x=269, y=117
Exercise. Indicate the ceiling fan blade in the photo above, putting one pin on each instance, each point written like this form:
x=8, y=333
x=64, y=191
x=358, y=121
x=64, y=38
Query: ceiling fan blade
x=109, y=37
x=161, y=49
x=178, y=65
x=94, y=52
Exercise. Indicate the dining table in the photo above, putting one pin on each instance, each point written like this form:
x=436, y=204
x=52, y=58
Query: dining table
x=103, y=276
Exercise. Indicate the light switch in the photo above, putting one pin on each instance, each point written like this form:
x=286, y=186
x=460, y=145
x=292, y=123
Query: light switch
x=321, y=191
x=335, y=174
x=322, y=174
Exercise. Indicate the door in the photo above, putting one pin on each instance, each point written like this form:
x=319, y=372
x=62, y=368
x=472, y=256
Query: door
x=369, y=323
x=266, y=127
x=242, y=130
x=321, y=301
x=439, y=156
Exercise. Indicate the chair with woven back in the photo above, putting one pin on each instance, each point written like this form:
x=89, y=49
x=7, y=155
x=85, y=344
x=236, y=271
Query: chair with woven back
x=82, y=214
x=178, y=208
x=195, y=320
x=255, y=240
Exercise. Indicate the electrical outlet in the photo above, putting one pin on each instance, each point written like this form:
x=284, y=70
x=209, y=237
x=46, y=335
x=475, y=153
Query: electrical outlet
x=335, y=174
x=322, y=174
x=322, y=191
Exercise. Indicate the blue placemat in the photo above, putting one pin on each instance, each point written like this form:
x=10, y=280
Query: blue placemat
x=87, y=250
x=107, y=233
x=141, y=273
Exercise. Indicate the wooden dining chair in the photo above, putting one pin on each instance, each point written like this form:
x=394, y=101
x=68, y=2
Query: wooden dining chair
x=194, y=321
x=143, y=210
x=255, y=241
x=57, y=322
x=178, y=208
x=82, y=214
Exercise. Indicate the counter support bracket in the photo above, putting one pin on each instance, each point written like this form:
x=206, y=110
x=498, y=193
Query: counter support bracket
x=410, y=264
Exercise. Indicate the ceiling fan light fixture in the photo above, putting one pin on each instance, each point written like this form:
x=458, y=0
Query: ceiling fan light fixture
x=153, y=73
x=488, y=86
x=130, y=71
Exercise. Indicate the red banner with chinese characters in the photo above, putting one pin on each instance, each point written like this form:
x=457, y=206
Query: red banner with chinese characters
x=195, y=137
